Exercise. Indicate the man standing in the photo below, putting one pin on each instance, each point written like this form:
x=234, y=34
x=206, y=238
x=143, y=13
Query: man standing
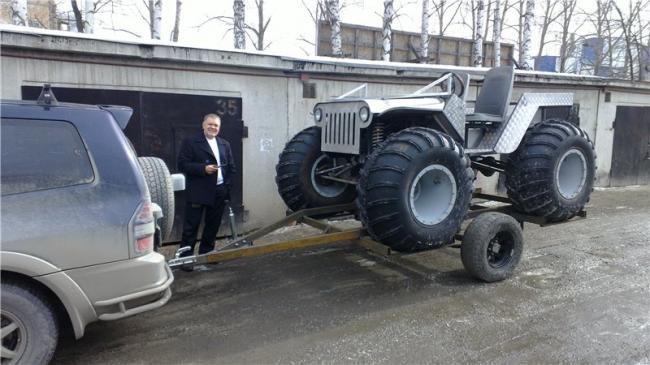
x=209, y=167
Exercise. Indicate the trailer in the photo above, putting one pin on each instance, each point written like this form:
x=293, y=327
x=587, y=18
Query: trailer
x=490, y=246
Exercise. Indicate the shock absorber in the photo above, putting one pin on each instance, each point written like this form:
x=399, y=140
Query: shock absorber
x=377, y=134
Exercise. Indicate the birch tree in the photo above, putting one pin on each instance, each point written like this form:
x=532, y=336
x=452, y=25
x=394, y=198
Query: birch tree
x=239, y=23
x=177, y=21
x=155, y=13
x=424, y=32
x=526, y=61
x=85, y=16
x=19, y=12
x=496, y=36
x=333, y=9
x=477, y=50
x=387, y=31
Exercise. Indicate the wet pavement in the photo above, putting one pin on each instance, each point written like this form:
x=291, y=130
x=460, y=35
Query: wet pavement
x=581, y=294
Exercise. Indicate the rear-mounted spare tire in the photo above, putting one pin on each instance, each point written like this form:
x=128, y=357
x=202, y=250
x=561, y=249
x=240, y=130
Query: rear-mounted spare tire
x=161, y=189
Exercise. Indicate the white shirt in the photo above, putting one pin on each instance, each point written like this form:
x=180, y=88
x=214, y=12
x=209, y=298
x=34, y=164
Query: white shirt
x=215, y=150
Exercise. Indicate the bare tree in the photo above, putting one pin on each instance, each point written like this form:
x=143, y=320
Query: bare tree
x=177, y=21
x=496, y=36
x=567, y=46
x=600, y=21
x=424, y=32
x=526, y=61
x=239, y=23
x=626, y=24
x=551, y=14
x=441, y=9
x=387, y=31
x=78, y=16
x=260, y=29
x=256, y=33
x=477, y=50
x=19, y=12
x=333, y=9
x=487, y=19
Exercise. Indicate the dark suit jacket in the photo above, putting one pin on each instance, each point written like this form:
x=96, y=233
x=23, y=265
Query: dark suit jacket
x=195, y=154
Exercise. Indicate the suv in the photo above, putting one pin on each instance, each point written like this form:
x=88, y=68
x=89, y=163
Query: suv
x=78, y=225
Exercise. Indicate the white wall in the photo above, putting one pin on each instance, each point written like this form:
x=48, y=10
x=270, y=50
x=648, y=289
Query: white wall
x=273, y=107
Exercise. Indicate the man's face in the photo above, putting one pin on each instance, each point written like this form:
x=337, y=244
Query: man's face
x=211, y=127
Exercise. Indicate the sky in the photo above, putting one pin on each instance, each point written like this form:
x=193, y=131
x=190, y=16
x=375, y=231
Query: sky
x=290, y=20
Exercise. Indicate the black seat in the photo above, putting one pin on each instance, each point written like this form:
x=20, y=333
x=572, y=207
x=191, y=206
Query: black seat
x=494, y=97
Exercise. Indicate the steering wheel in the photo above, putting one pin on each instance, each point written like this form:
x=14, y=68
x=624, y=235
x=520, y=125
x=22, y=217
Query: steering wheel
x=457, y=84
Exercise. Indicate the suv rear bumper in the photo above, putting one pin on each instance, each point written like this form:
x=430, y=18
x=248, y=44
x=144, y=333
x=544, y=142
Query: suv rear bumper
x=135, y=303
x=124, y=288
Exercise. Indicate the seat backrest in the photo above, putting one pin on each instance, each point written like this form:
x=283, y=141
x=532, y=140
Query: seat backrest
x=495, y=93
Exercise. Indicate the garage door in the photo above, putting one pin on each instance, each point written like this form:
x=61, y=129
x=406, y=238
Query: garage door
x=159, y=123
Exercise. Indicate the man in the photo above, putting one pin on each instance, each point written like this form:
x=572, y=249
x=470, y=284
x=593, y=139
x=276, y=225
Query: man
x=209, y=167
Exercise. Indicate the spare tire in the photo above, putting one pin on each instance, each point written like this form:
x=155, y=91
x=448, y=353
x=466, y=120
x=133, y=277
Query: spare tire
x=552, y=173
x=299, y=183
x=415, y=190
x=161, y=189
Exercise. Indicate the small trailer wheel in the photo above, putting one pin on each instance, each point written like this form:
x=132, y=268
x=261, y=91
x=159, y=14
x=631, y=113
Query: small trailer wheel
x=492, y=246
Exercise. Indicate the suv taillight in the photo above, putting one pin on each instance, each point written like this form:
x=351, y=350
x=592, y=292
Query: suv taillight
x=143, y=229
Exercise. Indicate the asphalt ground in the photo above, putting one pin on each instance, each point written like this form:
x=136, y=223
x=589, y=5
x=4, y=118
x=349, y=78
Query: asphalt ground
x=581, y=294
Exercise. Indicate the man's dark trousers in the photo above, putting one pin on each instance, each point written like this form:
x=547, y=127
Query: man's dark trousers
x=213, y=214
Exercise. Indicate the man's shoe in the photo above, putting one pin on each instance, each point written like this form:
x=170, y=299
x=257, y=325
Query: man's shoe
x=187, y=267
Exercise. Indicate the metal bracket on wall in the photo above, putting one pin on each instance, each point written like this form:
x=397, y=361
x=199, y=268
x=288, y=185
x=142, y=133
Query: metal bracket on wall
x=244, y=130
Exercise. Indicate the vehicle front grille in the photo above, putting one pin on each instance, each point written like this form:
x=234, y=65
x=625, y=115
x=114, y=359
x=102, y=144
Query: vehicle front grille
x=341, y=133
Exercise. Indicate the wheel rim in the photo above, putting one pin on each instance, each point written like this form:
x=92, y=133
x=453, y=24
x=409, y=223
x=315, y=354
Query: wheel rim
x=325, y=187
x=13, y=338
x=500, y=250
x=433, y=194
x=571, y=173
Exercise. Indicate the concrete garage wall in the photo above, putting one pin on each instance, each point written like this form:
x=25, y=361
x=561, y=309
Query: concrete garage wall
x=271, y=88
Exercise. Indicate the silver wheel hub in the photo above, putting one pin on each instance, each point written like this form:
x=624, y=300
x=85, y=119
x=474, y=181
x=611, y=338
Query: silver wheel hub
x=432, y=194
x=325, y=187
x=13, y=338
x=571, y=173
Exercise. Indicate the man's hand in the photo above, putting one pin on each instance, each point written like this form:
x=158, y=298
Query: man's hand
x=211, y=169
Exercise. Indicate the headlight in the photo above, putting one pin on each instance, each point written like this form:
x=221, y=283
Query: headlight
x=318, y=114
x=364, y=114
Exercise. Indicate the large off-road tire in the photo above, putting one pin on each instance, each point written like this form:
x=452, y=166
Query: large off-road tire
x=30, y=329
x=552, y=173
x=161, y=189
x=296, y=177
x=415, y=190
x=492, y=246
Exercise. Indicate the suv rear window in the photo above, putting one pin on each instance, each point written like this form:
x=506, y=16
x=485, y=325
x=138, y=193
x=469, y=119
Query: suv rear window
x=42, y=154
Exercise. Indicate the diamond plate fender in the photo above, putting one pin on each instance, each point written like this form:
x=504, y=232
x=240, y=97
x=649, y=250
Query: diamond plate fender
x=506, y=139
x=454, y=111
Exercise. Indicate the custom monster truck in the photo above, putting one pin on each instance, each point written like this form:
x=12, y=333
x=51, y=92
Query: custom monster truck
x=410, y=161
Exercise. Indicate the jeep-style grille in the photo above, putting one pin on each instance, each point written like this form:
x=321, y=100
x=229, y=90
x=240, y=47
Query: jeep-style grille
x=341, y=132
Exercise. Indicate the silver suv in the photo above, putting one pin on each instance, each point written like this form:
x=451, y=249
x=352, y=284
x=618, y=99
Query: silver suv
x=78, y=225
